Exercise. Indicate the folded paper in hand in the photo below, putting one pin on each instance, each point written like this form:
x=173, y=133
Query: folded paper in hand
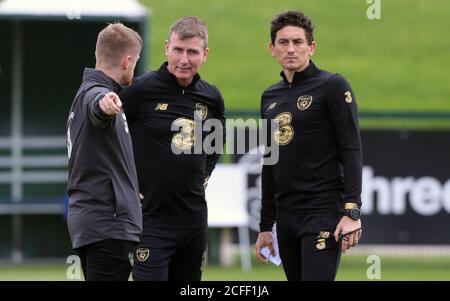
x=266, y=252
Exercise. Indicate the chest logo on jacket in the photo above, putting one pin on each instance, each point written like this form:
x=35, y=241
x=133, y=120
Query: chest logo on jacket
x=185, y=136
x=201, y=110
x=284, y=134
x=304, y=102
x=161, y=107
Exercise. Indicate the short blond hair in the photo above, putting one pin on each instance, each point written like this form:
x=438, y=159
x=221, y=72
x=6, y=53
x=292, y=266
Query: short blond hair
x=115, y=41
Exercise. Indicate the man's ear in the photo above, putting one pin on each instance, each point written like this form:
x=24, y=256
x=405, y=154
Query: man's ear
x=166, y=46
x=205, y=52
x=126, y=62
x=312, y=48
x=272, y=49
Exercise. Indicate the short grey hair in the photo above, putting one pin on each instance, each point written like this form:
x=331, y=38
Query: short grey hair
x=190, y=27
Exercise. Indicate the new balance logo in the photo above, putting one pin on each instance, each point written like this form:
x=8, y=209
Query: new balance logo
x=161, y=107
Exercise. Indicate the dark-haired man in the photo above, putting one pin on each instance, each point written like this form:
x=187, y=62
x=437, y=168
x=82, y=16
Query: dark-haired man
x=313, y=191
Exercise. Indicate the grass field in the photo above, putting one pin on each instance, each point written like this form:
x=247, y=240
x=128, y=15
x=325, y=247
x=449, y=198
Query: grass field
x=399, y=62
x=352, y=268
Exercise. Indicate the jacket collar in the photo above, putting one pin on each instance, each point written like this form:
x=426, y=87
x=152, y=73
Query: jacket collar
x=100, y=77
x=163, y=69
x=302, y=75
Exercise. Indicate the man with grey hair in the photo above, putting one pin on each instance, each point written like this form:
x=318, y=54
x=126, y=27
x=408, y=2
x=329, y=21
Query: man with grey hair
x=104, y=218
x=166, y=110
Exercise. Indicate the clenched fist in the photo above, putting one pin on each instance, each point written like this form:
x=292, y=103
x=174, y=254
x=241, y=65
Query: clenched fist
x=110, y=103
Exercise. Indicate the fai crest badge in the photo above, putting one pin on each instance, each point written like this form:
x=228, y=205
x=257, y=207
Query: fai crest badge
x=304, y=102
x=201, y=110
x=142, y=254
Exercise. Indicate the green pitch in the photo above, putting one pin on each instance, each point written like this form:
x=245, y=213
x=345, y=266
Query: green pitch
x=352, y=268
x=399, y=62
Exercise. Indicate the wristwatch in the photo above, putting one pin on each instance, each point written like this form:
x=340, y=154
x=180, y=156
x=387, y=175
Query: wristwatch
x=352, y=210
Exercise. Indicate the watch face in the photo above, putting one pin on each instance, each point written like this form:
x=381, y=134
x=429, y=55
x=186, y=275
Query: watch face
x=355, y=213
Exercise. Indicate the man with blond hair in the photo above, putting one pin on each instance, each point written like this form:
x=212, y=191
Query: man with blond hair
x=104, y=218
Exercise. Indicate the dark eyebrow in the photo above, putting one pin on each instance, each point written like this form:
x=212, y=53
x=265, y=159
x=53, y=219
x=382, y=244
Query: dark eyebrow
x=294, y=39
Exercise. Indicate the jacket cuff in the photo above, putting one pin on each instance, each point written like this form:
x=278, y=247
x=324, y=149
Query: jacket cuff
x=265, y=227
